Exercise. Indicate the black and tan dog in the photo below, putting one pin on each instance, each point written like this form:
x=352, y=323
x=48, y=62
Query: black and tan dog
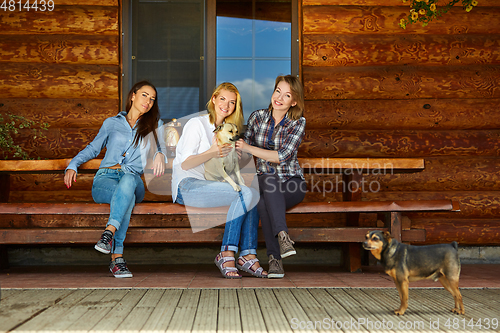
x=405, y=263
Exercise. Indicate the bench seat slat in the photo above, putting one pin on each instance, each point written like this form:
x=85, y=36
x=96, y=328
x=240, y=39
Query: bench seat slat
x=83, y=236
x=175, y=209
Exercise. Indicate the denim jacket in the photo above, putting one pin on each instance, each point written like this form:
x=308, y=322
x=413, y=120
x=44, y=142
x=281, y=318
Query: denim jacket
x=117, y=137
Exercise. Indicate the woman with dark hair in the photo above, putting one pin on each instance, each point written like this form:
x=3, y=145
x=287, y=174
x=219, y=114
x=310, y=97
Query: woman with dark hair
x=274, y=135
x=118, y=182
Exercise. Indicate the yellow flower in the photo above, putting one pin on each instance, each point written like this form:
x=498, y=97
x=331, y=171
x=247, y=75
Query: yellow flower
x=414, y=16
x=433, y=7
x=469, y=8
x=421, y=11
x=412, y=10
x=474, y=3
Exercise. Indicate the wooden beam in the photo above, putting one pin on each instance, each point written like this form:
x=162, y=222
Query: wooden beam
x=176, y=209
x=77, y=236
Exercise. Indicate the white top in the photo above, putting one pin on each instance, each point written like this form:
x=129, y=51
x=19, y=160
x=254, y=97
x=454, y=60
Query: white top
x=196, y=138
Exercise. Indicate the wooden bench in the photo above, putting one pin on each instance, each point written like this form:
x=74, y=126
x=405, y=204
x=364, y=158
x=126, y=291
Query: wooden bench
x=39, y=227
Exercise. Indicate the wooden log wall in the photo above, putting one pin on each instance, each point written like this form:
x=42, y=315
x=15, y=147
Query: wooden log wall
x=376, y=90
x=63, y=68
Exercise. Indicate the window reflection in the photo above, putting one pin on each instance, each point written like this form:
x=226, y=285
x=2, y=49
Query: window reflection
x=253, y=47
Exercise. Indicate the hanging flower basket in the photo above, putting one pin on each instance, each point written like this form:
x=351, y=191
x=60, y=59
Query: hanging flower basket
x=424, y=11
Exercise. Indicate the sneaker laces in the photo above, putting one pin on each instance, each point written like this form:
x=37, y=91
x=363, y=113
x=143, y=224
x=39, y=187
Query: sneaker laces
x=107, y=237
x=121, y=264
x=274, y=264
x=285, y=237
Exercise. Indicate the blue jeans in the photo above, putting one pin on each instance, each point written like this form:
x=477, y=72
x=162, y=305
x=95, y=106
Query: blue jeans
x=241, y=223
x=121, y=191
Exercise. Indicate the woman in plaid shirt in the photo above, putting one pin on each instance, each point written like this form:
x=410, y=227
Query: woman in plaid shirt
x=274, y=135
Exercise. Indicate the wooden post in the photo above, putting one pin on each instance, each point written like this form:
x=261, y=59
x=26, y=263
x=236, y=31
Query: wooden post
x=395, y=225
x=4, y=187
x=4, y=197
x=351, y=252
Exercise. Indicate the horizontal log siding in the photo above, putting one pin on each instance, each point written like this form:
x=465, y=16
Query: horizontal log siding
x=61, y=68
x=374, y=89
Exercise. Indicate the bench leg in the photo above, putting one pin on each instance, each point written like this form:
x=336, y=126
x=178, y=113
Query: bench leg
x=4, y=257
x=4, y=187
x=351, y=253
x=395, y=225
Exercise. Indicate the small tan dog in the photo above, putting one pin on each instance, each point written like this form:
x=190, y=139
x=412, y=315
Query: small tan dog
x=225, y=168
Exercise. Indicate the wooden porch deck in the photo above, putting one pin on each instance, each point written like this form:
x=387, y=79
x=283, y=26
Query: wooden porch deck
x=243, y=310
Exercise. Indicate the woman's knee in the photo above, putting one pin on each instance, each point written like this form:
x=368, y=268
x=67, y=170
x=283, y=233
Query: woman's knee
x=250, y=195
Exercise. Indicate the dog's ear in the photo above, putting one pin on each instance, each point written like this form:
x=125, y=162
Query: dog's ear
x=218, y=128
x=387, y=236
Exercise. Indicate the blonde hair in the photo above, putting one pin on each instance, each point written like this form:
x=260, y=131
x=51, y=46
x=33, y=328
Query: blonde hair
x=297, y=111
x=236, y=117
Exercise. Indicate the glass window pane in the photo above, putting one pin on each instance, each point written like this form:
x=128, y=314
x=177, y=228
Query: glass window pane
x=167, y=45
x=253, y=48
x=234, y=37
x=273, y=39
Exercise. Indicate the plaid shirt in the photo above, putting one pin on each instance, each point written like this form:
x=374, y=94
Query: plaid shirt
x=287, y=139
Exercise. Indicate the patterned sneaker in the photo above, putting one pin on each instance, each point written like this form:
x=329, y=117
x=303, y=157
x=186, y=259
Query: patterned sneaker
x=119, y=268
x=276, y=270
x=286, y=245
x=104, y=244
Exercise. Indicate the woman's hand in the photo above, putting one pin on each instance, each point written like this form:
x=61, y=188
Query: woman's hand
x=242, y=145
x=159, y=165
x=69, y=177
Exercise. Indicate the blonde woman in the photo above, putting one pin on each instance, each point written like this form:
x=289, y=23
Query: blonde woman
x=189, y=186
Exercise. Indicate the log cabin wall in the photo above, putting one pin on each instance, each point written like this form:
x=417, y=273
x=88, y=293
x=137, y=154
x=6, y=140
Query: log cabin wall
x=373, y=89
x=60, y=67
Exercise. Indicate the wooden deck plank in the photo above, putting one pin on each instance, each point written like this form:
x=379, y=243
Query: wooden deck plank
x=291, y=307
x=274, y=317
x=206, y=315
x=435, y=307
x=229, y=311
x=58, y=310
x=97, y=310
x=333, y=307
x=257, y=310
x=314, y=311
x=17, y=310
x=164, y=311
x=77, y=311
x=444, y=303
x=120, y=311
x=381, y=309
x=185, y=311
x=4, y=294
x=139, y=315
x=251, y=315
x=492, y=297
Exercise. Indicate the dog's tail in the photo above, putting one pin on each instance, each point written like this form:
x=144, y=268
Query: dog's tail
x=455, y=245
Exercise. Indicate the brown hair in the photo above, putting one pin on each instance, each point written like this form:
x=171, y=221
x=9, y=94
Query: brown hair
x=148, y=122
x=236, y=117
x=297, y=111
